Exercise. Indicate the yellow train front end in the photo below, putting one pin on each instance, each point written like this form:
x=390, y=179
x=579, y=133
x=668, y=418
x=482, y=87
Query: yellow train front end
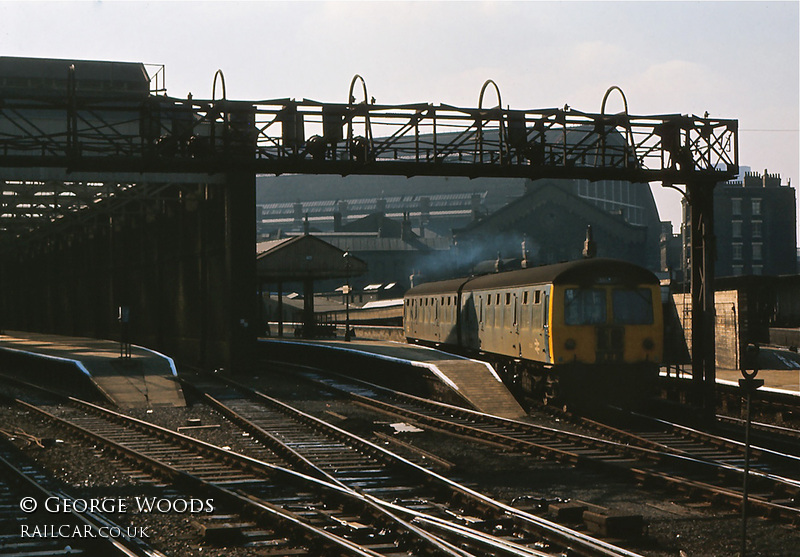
x=606, y=340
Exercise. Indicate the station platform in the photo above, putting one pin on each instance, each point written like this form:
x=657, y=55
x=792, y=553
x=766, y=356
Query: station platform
x=779, y=368
x=776, y=379
x=146, y=379
x=473, y=381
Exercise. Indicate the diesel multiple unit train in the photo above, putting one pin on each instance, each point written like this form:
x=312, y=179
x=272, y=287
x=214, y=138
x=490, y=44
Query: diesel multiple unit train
x=576, y=331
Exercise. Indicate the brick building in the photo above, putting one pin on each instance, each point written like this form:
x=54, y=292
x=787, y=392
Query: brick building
x=755, y=224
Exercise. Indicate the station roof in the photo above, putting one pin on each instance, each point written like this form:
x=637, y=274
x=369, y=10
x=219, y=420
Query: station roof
x=305, y=258
x=48, y=77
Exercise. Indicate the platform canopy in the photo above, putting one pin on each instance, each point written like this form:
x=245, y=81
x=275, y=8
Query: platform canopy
x=303, y=258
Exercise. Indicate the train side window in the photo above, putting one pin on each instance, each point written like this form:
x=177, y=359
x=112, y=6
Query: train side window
x=508, y=298
x=536, y=294
x=514, y=315
x=497, y=299
x=525, y=297
x=489, y=300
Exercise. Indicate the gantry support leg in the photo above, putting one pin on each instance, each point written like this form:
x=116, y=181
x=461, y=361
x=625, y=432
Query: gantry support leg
x=240, y=262
x=703, y=255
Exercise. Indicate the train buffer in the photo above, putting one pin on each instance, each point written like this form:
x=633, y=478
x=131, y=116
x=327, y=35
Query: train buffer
x=141, y=379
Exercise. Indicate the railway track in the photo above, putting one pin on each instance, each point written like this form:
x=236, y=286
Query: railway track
x=23, y=486
x=770, y=405
x=450, y=510
x=775, y=473
x=293, y=514
x=779, y=437
x=706, y=469
x=328, y=518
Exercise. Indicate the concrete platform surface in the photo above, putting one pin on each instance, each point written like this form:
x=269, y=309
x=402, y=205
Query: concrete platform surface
x=144, y=380
x=473, y=380
x=780, y=379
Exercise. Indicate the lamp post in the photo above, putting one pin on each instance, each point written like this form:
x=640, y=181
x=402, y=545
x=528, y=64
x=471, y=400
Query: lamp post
x=346, y=256
x=749, y=385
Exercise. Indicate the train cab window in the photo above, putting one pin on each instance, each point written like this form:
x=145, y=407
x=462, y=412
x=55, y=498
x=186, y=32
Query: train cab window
x=632, y=306
x=584, y=306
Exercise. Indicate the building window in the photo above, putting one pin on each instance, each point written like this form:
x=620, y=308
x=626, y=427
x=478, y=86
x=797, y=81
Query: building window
x=736, y=206
x=737, y=252
x=756, y=229
x=758, y=269
x=756, y=207
x=757, y=251
x=736, y=229
x=737, y=270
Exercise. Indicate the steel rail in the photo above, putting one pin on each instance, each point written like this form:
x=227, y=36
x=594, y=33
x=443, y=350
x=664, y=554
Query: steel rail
x=426, y=543
x=792, y=434
x=124, y=545
x=463, y=534
x=685, y=432
x=533, y=524
x=449, y=423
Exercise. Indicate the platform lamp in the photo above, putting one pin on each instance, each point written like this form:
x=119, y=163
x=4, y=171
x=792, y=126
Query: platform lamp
x=346, y=293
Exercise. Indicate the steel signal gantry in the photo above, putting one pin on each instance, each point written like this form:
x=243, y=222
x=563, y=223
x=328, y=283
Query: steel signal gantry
x=164, y=135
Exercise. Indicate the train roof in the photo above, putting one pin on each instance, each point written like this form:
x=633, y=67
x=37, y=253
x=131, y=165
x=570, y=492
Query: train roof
x=582, y=271
x=438, y=287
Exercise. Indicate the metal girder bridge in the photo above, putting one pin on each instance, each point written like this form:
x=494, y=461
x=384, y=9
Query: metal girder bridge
x=163, y=134
x=78, y=143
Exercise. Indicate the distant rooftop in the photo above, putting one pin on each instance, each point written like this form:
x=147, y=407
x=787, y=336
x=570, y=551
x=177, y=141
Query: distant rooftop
x=49, y=77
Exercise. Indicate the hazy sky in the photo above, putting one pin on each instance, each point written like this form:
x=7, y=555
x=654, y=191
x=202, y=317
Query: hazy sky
x=733, y=59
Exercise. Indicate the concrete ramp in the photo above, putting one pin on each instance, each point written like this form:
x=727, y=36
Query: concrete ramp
x=478, y=383
x=475, y=382
x=144, y=380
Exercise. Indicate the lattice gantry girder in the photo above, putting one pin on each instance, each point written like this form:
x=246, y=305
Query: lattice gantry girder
x=163, y=134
